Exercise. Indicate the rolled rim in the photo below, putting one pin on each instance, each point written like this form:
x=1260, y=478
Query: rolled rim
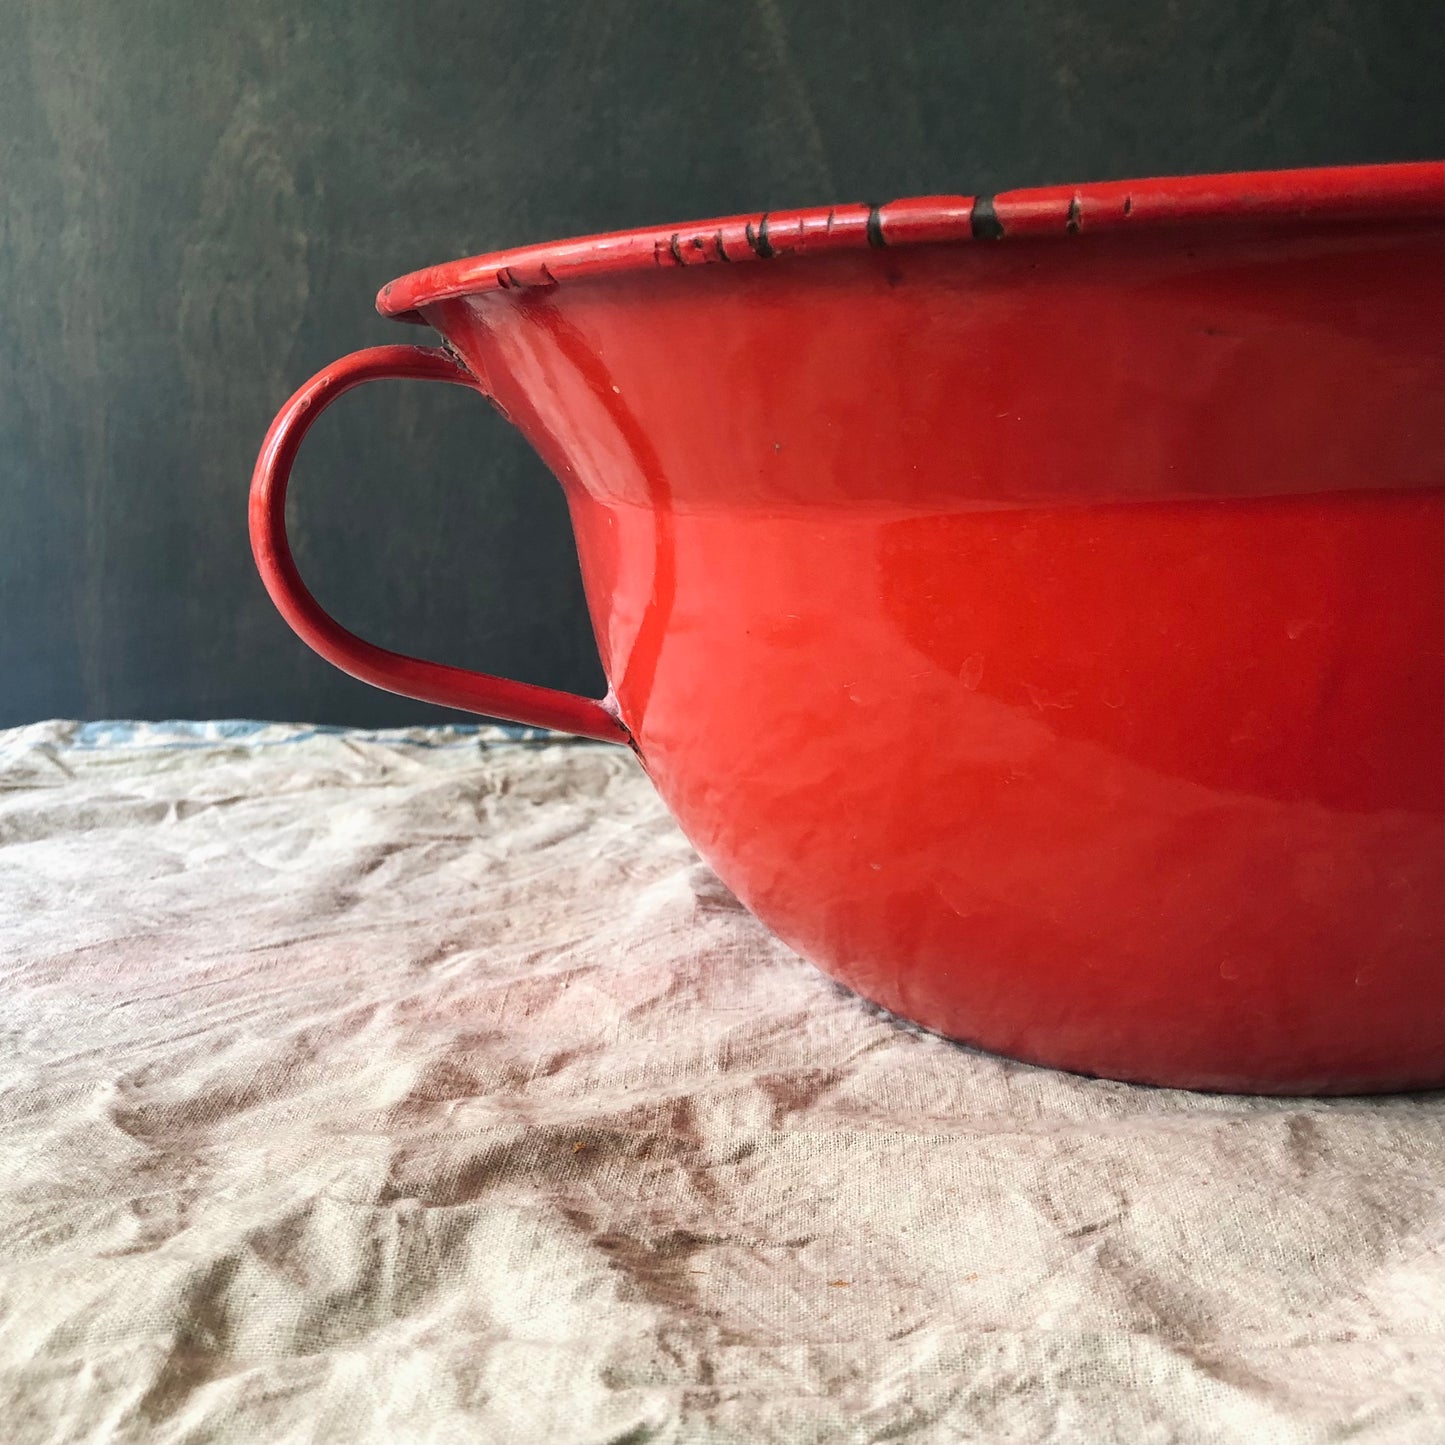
x=1412, y=190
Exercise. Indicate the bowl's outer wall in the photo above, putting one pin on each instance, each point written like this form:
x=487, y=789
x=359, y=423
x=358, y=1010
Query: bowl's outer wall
x=1044, y=638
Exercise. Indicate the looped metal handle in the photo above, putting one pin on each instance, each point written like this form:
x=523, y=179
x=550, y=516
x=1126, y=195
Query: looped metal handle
x=436, y=682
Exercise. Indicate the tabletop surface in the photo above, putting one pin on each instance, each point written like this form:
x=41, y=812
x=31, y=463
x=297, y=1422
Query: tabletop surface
x=425, y=1086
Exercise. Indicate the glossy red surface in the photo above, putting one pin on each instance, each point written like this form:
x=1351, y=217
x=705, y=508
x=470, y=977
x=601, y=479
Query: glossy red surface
x=1043, y=637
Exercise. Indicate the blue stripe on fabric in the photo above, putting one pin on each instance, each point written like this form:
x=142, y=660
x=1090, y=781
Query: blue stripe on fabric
x=195, y=733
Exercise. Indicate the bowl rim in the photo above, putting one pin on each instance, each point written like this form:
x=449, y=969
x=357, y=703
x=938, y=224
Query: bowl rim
x=1397, y=191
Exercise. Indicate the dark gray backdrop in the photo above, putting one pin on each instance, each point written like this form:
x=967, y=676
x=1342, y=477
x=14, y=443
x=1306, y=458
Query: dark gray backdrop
x=198, y=202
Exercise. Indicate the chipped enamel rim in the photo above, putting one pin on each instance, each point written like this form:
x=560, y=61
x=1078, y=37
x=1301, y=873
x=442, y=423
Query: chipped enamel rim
x=1412, y=190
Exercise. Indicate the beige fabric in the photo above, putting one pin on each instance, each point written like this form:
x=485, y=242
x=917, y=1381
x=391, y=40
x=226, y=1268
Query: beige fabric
x=425, y=1087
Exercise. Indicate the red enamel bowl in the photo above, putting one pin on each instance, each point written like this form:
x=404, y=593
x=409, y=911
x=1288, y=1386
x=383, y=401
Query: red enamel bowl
x=1031, y=606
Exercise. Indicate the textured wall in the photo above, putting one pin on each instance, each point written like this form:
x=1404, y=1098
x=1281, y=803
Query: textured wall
x=197, y=203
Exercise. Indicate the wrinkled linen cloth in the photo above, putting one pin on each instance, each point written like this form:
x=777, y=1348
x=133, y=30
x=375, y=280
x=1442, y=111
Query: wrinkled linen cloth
x=424, y=1086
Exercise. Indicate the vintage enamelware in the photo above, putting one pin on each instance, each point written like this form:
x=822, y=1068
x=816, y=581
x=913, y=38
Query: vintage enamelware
x=1031, y=606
